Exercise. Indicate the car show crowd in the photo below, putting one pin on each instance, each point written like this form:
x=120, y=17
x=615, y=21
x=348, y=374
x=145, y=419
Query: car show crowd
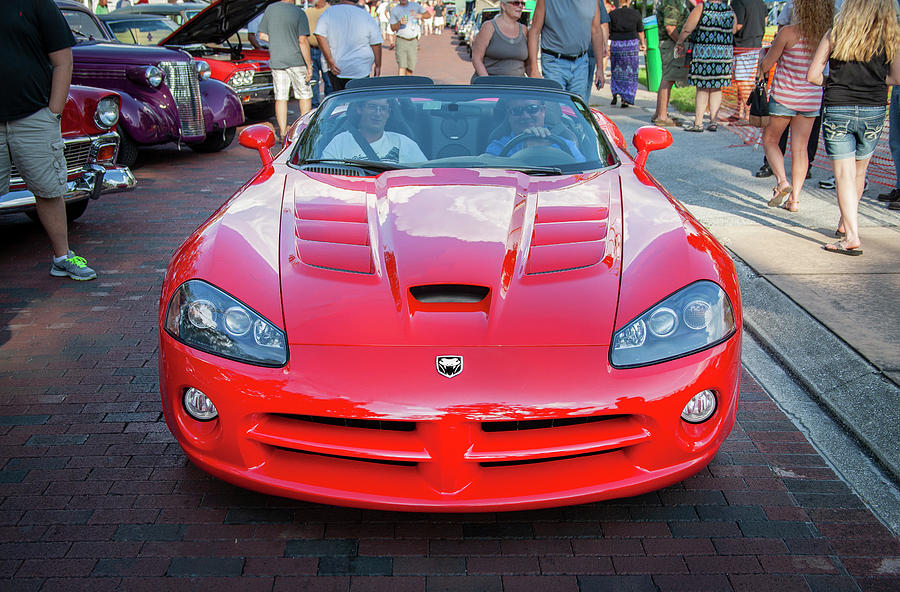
x=310, y=48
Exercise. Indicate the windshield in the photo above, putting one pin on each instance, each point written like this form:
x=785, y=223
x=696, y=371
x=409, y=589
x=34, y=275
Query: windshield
x=83, y=25
x=528, y=129
x=141, y=31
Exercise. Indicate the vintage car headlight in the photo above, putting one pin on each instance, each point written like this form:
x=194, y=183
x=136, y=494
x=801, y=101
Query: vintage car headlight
x=107, y=113
x=203, y=70
x=154, y=76
x=241, y=78
x=206, y=318
x=694, y=318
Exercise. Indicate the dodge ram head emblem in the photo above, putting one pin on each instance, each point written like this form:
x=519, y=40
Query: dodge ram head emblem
x=449, y=366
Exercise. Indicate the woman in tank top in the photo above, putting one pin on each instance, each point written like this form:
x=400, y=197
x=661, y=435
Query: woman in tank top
x=793, y=100
x=501, y=47
x=861, y=51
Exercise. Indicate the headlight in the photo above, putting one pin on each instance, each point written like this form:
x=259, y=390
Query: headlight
x=206, y=318
x=241, y=78
x=203, y=71
x=694, y=318
x=107, y=112
x=154, y=76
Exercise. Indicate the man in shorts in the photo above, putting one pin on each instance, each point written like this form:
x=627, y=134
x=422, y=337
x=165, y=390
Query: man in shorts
x=37, y=46
x=406, y=20
x=670, y=16
x=286, y=29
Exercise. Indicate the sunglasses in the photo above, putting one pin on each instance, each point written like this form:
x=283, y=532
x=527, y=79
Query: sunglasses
x=529, y=109
x=371, y=108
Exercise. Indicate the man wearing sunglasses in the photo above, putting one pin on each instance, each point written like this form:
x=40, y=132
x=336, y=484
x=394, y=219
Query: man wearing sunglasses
x=366, y=139
x=526, y=116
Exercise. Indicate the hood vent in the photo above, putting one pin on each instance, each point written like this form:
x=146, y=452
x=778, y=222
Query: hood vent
x=567, y=237
x=445, y=293
x=334, y=236
x=347, y=171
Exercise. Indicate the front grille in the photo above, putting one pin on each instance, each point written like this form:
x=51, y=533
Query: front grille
x=348, y=422
x=77, y=151
x=262, y=78
x=535, y=424
x=181, y=78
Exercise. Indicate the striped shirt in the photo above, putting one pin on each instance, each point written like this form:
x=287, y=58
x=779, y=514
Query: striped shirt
x=789, y=87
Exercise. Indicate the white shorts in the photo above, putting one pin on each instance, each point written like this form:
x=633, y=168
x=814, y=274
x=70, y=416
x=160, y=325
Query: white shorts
x=294, y=77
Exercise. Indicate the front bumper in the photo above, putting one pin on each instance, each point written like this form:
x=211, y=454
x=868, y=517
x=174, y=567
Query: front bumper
x=88, y=179
x=518, y=428
x=255, y=95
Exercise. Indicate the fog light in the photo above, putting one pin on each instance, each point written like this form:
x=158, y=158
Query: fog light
x=700, y=407
x=199, y=406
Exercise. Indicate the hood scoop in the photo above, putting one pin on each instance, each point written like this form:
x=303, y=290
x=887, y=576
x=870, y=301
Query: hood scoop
x=567, y=237
x=449, y=293
x=334, y=236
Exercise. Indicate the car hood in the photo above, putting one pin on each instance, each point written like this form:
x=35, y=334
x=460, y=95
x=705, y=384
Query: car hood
x=218, y=22
x=122, y=53
x=404, y=259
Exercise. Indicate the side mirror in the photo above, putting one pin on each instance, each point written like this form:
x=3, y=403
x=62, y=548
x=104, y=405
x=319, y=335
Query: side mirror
x=647, y=139
x=259, y=137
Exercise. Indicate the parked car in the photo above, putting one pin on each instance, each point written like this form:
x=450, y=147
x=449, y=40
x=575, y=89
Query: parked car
x=138, y=29
x=167, y=96
x=516, y=321
x=88, y=126
x=211, y=34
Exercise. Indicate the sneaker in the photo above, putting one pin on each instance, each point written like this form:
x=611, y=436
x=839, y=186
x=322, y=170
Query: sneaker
x=73, y=266
x=764, y=171
x=827, y=183
x=889, y=195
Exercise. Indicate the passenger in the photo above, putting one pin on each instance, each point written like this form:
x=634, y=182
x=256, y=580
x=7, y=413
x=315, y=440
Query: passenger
x=368, y=119
x=526, y=116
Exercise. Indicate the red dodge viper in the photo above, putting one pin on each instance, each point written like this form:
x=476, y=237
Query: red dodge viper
x=451, y=298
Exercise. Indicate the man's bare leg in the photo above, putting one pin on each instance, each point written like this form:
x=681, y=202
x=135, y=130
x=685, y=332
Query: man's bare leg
x=52, y=214
x=281, y=110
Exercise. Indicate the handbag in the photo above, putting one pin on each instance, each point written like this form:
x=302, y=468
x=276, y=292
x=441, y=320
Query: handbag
x=759, y=104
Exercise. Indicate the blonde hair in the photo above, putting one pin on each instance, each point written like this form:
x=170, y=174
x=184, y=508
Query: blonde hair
x=813, y=19
x=864, y=28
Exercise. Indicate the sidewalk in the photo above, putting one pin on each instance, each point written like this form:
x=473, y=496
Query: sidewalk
x=832, y=320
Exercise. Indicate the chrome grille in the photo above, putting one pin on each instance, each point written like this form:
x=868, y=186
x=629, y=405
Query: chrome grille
x=181, y=78
x=77, y=153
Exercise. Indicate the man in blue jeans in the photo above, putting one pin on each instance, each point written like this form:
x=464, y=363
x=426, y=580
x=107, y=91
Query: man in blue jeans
x=565, y=30
x=893, y=196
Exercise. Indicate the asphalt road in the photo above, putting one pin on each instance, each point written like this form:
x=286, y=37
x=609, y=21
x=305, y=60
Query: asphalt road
x=95, y=494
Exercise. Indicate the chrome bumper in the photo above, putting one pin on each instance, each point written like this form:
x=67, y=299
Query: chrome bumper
x=96, y=179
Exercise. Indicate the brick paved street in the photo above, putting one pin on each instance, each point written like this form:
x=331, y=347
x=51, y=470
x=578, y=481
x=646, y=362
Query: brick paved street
x=95, y=494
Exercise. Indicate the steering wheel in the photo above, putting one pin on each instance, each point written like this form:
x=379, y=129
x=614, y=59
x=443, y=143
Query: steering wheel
x=550, y=139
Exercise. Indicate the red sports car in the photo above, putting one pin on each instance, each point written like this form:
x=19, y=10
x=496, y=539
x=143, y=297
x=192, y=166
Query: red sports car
x=451, y=298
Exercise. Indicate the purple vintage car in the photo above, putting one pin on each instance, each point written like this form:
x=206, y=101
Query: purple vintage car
x=167, y=96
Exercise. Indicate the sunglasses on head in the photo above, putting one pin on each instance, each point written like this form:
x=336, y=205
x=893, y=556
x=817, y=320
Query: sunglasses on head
x=529, y=109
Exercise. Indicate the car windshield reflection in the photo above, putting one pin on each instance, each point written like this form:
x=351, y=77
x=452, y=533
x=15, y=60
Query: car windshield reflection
x=536, y=131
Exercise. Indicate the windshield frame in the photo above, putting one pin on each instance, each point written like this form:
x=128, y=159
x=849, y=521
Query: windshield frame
x=303, y=153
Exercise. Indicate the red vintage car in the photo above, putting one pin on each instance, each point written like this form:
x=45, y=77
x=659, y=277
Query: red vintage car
x=451, y=298
x=89, y=132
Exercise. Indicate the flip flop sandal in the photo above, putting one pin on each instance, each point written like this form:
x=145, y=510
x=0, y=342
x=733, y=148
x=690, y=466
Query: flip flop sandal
x=838, y=247
x=778, y=195
x=839, y=234
x=791, y=206
x=664, y=122
x=694, y=128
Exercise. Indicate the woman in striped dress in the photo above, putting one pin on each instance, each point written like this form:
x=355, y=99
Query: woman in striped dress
x=711, y=26
x=793, y=100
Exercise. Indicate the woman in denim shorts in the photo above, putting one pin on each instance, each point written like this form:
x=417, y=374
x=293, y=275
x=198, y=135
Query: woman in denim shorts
x=861, y=51
x=793, y=101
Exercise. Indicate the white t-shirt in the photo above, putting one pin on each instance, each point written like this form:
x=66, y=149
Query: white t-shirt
x=390, y=147
x=253, y=27
x=412, y=29
x=350, y=31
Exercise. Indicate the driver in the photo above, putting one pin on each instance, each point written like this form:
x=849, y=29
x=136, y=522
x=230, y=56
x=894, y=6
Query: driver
x=368, y=119
x=526, y=116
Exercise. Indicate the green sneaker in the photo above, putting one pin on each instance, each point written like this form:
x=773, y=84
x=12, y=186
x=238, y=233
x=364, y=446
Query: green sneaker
x=73, y=266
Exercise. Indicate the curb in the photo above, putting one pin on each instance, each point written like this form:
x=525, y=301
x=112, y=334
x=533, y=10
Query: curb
x=858, y=396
